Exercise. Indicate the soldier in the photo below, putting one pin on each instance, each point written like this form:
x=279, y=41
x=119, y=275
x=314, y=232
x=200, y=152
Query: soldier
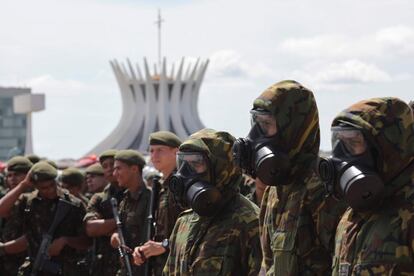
x=73, y=180
x=297, y=221
x=17, y=169
x=133, y=209
x=36, y=211
x=163, y=148
x=95, y=179
x=220, y=234
x=373, y=142
x=99, y=220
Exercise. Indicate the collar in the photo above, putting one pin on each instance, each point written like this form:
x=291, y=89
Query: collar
x=136, y=194
x=165, y=182
x=59, y=191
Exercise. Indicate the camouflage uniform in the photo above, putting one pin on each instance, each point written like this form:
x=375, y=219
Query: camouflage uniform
x=227, y=243
x=36, y=215
x=381, y=241
x=10, y=229
x=297, y=221
x=106, y=259
x=133, y=212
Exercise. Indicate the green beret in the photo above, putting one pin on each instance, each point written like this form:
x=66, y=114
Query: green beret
x=42, y=171
x=95, y=169
x=33, y=158
x=52, y=163
x=19, y=164
x=107, y=154
x=164, y=138
x=72, y=177
x=130, y=157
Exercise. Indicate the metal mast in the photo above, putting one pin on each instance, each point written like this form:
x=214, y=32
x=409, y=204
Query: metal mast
x=159, y=22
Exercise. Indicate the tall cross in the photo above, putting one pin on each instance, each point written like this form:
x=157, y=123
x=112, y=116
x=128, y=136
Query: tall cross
x=159, y=21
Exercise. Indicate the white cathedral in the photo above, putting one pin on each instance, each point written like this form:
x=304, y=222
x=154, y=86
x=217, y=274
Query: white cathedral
x=153, y=101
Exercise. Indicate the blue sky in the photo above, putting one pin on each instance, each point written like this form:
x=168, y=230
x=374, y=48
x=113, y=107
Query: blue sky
x=344, y=50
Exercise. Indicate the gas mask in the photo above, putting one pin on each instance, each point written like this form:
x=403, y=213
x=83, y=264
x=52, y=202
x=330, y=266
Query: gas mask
x=190, y=185
x=257, y=154
x=350, y=172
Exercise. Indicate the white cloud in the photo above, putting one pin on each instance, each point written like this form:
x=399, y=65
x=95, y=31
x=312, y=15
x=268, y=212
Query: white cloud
x=344, y=73
x=398, y=39
x=229, y=64
x=320, y=45
x=385, y=42
x=51, y=86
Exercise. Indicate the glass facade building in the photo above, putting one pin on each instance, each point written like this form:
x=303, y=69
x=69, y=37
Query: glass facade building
x=12, y=126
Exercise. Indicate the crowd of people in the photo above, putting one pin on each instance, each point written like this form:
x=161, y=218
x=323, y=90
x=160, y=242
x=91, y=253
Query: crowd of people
x=264, y=204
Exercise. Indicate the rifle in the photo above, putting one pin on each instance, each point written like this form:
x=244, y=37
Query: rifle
x=42, y=261
x=121, y=248
x=150, y=223
x=152, y=207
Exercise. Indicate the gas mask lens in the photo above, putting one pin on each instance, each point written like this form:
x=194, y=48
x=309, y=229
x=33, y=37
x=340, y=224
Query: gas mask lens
x=265, y=121
x=352, y=139
x=195, y=161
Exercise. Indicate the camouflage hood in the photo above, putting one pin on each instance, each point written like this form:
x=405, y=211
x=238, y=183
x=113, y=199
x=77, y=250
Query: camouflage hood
x=296, y=113
x=388, y=126
x=217, y=146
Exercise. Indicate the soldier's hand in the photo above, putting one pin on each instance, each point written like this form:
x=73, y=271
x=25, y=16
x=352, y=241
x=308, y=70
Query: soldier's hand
x=115, y=240
x=138, y=256
x=27, y=181
x=152, y=248
x=56, y=246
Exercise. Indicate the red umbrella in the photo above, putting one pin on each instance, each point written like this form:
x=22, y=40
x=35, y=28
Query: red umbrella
x=86, y=161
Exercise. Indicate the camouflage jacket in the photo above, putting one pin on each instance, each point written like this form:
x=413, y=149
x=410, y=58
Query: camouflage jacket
x=381, y=241
x=297, y=221
x=133, y=212
x=165, y=216
x=298, y=228
x=227, y=243
x=36, y=215
x=11, y=231
x=99, y=207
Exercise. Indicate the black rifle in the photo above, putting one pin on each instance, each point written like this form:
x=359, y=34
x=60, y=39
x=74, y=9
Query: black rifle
x=42, y=261
x=150, y=223
x=121, y=248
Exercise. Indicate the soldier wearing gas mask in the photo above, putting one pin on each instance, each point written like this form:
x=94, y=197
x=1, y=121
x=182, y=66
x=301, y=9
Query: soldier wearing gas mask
x=372, y=169
x=297, y=221
x=220, y=234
